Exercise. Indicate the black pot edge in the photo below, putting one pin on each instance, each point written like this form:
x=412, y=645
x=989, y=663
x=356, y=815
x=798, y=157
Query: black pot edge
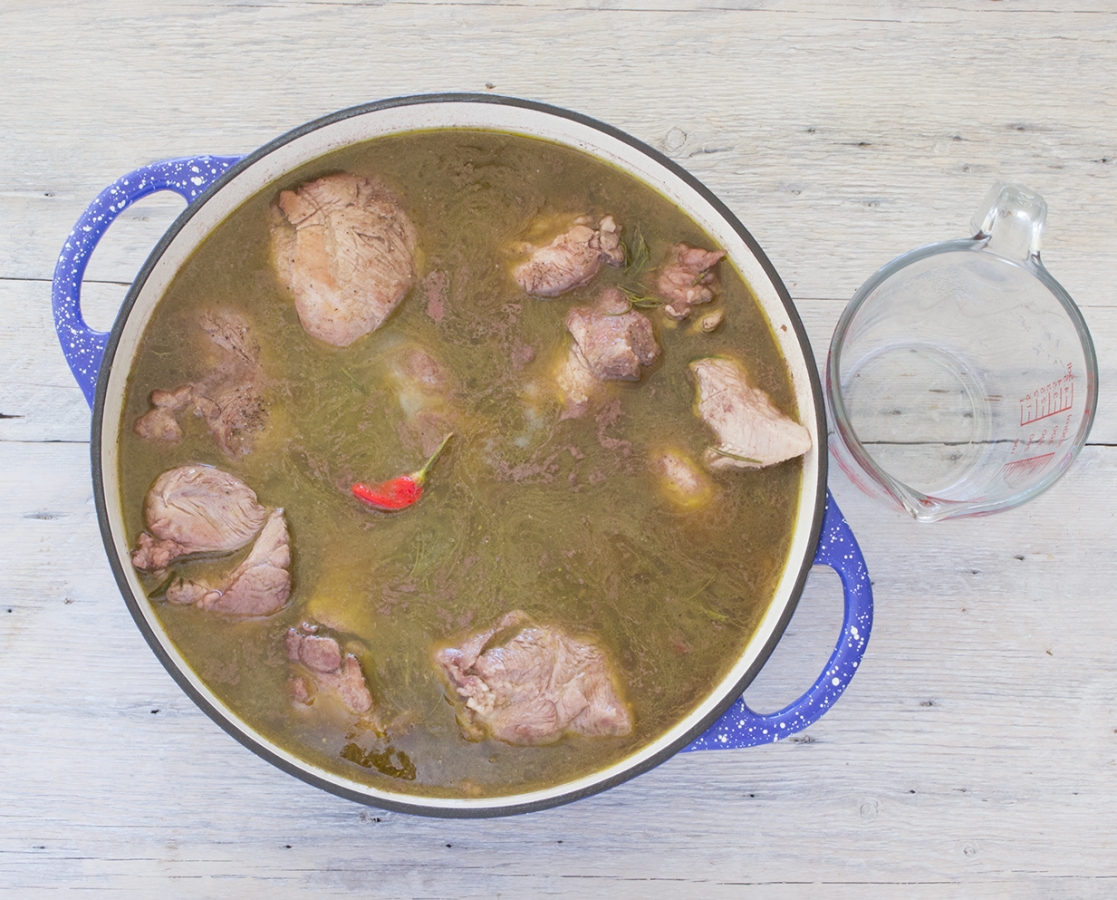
x=263, y=751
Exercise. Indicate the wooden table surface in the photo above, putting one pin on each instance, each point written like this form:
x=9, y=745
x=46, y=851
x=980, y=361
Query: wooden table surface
x=975, y=753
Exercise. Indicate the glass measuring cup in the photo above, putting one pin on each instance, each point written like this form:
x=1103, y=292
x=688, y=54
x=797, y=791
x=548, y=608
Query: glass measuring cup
x=961, y=377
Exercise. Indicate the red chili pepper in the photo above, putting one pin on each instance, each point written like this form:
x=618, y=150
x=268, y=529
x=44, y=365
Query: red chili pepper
x=400, y=492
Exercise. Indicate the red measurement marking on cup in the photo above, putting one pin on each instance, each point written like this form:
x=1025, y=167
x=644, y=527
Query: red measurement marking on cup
x=1049, y=400
x=1022, y=468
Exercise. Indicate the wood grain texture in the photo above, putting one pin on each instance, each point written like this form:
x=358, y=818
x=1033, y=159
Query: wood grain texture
x=975, y=754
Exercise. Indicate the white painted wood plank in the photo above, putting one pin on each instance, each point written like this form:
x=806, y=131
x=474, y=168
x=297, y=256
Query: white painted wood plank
x=39, y=399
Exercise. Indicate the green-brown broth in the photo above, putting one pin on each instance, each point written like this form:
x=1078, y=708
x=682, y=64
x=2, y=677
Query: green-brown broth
x=567, y=525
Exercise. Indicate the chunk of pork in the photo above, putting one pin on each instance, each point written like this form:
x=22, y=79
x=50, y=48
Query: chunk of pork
x=572, y=259
x=614, y=339
x=259, y=586
x=751, y=431
x=680, y=479
x=230, y=396
x=535, y=687
x=687, y=279
x=611, y=342
x=196, y=509
x=575, y=382
x=345, y=247
x=321, y=666
x=424, y=390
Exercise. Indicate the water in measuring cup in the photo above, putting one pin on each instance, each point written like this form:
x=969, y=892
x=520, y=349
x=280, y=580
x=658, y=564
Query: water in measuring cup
x=922, y=414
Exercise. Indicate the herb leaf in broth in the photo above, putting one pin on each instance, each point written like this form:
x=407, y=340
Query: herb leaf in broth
x=637, y=254
x=637, y=300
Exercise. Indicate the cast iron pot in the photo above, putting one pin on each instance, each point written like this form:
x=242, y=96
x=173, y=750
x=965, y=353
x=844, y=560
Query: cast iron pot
x=215, y=186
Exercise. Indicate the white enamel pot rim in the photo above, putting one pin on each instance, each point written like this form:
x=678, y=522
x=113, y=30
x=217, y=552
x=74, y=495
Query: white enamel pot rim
x=459, y=111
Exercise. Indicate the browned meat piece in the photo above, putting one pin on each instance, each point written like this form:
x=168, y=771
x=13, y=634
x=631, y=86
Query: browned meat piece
x=231, y=333
x=417, y=367
x=751, y=432
x=230, y=399
x=611, y=342
x=614, y=339
x=345, y=247
x=421, y=382
x=711, y=321
x=196, y=509
x=229, y=396
x=687, y=279
x=425, y=391
x=572, y=259
x=232, y=414
x=320, y=658
x=534, y=688
x=259, y=586
x=681, y=480
x=160, y=423
x=576, y=383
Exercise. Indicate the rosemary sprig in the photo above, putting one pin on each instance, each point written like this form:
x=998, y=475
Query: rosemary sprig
x=744, y=459
x=638, y=256
x=161, y=589
x=713, y=615
x=360, y=387
x=705, y=585
x=641, y=301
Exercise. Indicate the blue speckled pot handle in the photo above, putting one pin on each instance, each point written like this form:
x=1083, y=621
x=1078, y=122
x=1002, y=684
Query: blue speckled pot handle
x=740, y=726
x=84, y=347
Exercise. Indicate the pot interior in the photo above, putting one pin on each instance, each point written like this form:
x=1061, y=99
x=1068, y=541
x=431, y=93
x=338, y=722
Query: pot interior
x=271, y=168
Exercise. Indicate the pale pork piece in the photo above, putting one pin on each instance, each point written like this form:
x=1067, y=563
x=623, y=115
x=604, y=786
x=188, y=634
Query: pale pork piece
x=611, y=342
x=424, y=389
x=535, y=687
x=614, y=339
x=345, y=247
x=687, y=279
x=572, y=259
x=575, y=382
x=160, y=423
x=196, y=509
x=232, y=413
x=229, y=397
x=681, y=480
x=751, y=432
x=259, y=586
x=323, y=667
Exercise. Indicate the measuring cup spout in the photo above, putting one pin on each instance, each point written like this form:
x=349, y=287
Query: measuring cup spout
x=1011, y=219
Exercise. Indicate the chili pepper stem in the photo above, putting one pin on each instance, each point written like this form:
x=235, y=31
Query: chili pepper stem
x=420, y=476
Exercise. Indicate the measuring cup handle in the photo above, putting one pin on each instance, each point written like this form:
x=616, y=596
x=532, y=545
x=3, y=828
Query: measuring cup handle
x=740, y=726
x=83, y=347
x=1011, y=219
